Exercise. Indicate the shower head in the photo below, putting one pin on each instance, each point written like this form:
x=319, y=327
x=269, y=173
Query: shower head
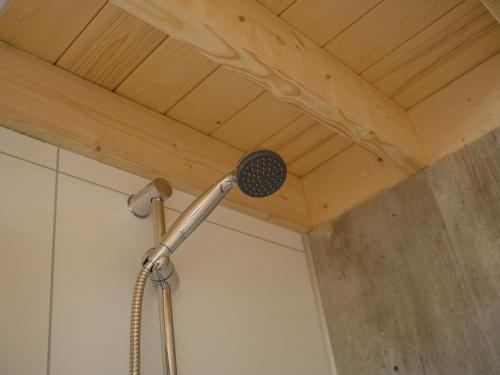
x=258, y=174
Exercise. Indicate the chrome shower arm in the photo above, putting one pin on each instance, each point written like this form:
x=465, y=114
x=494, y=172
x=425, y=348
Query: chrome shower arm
x=192, y=217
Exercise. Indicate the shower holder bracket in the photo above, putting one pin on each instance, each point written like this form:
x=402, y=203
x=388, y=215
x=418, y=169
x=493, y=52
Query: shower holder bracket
x=139, y=204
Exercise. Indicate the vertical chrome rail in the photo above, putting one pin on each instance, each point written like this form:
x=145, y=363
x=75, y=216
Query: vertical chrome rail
x=167, y=329
x=164, y=296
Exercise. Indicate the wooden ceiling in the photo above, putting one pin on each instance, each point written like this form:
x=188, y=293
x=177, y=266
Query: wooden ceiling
x=409, y=50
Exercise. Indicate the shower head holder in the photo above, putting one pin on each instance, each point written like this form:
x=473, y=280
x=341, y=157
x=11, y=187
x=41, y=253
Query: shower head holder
x=139, y=204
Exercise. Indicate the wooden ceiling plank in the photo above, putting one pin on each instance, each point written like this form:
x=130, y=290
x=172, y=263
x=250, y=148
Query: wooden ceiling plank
x=111, y=47
x=293, y=130
x=46, y=102
x=246, y=37
x=277, y=6
x=321, y=154
x=306, y=142
x=166, y=76
x=322, y=20
x=494, y=8
x=256, y=122
x=429, y=46
x=219, y=97
x=461, y=112
x=45, y=28
x=384, y=29
x=463, y=59
x=347, y=180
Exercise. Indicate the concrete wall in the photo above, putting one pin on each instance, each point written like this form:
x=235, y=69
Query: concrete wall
x=410, y=281
x=69, y=255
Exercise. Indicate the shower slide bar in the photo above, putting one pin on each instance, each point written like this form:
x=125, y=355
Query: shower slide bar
x=150, y=200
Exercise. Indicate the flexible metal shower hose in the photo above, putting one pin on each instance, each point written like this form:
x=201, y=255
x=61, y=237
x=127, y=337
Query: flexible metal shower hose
x=135, y=321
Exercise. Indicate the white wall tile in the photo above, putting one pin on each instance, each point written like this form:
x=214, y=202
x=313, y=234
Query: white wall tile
x=26, y=217
x=99, y=173
x=98, y=252
x=257, y=227
x=244, y=306
x=91, y=170
x=27, y=148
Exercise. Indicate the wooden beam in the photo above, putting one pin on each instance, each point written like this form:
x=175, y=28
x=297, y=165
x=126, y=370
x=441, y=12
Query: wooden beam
x=349, y=179
x=494, y=7
x=250, y=39
x=53, y=105
x=461, y=112
x=450, y=119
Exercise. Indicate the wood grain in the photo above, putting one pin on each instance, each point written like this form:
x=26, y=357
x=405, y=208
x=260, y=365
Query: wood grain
x=319, y=155
x=111, y=47
x=494, y=8
x=293, y=130
x=461, y=112
x=345, y=181
x=255, y=123
x=45, y=28
x=323, y=20
x=429, y=47
x=306, y=142
x=467, y=56
x=410, y=280
x=168, y=74
x=276, y=6
x=51, y=104
x=215, y=100
x=248, y=38
x=385, y=28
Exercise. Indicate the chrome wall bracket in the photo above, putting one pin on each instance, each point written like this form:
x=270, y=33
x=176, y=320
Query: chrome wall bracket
x=140, y=203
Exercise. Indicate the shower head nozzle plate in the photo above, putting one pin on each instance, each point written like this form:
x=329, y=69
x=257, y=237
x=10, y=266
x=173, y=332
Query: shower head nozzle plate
x=261, y=173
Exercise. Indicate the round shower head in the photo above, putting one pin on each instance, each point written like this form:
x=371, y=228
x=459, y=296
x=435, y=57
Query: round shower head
x=260, y=173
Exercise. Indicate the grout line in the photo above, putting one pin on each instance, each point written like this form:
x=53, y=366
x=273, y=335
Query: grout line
x=52, y=263
x=255, y=236
x=127, y=194
x=94, y=183
x=320, y=308
x=28, y=161
x=180, y=212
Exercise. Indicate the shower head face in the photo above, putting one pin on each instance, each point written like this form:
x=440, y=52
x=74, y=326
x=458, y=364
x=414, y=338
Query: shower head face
x=261, y=173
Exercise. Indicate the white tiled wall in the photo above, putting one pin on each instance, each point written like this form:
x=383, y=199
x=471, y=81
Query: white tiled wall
x=244, y=306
